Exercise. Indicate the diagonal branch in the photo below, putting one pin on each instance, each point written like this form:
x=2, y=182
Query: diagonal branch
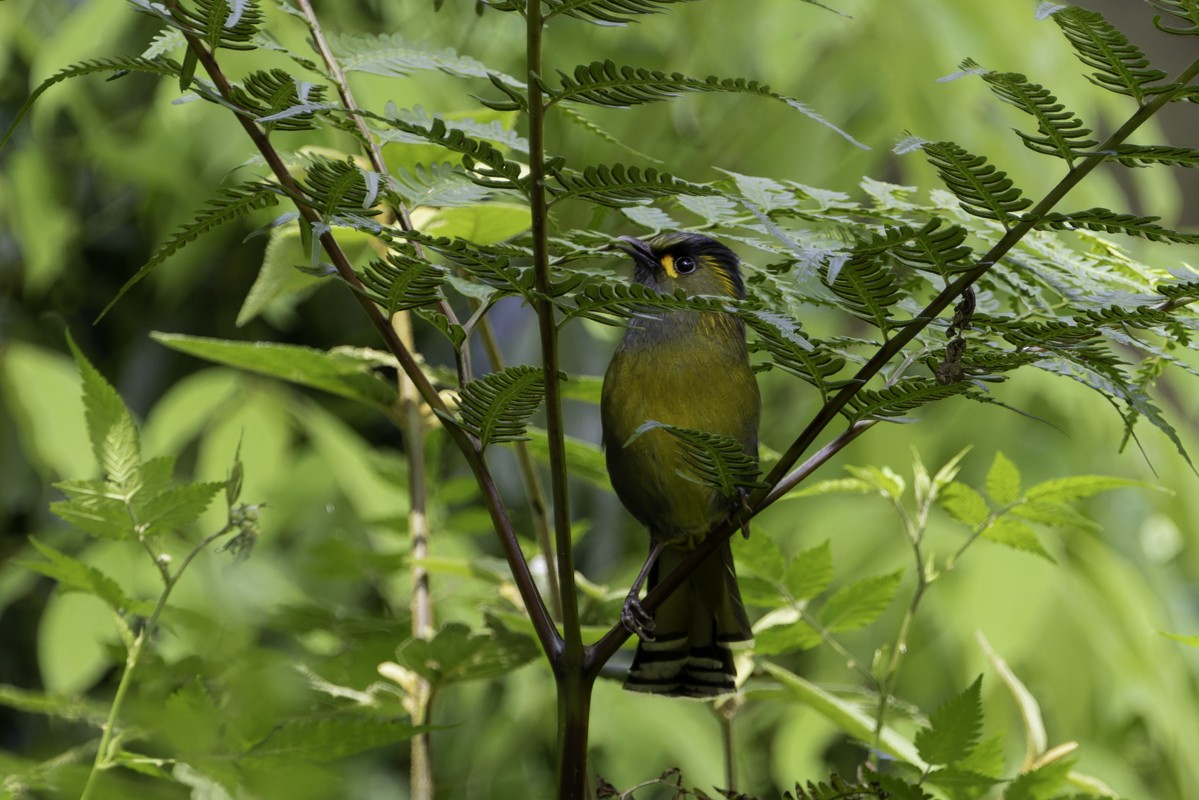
x=547, y=634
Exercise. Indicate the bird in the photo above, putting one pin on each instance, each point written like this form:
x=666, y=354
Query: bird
x=690, y=369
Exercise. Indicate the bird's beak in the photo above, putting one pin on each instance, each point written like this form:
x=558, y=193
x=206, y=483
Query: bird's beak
x=639, y=250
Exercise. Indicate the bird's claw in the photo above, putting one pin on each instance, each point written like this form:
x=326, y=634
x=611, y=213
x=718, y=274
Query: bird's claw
x=637, y=620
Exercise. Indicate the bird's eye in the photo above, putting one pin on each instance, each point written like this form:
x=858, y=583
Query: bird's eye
x=684, y=265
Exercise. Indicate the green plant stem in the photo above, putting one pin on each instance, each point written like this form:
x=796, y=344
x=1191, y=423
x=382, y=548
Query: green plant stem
x=543, y=624
x=573, y=680
x=534, y=490
x=133, y=658
x=891, y=674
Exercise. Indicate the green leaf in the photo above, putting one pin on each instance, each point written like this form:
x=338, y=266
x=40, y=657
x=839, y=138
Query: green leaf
x=403, y=280
x=1003, y=480
x=1102, y=219
x=158, y=66
x=345, y=372
x=73, y=575
x=810, y=572
x=322, y=738
x=618, y=185
x=496, y=407
x=456, y=653
x=884, y=481
x=175, y=507
x=1076, y=487
x=1017, y=535
x=109, y=424
x=68, y=708
x=1036, y=740
x=866, y=284
x=279, y=100
x=901, y=397
x=229, y=205
x=1062, y=133
x=391, y=56
x=1122, y=67
x=718, y=461
x=584, y=459
x=845, y=715
x=1058, y=515
x=605, y=12
x=1193, y=641
x=834, y=486
x=603, y=83
x=965, y=504
x=954, y=728
x=778, y=639
x=981, y=189
x=94, y=508
x=860, y=603
x=761, y=555
x=1044, y=783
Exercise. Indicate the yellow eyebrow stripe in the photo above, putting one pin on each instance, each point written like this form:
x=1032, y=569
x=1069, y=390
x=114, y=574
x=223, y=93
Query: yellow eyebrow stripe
x=667, y=263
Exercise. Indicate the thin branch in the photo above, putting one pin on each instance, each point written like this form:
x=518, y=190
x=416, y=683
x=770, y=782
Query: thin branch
x=543, y=624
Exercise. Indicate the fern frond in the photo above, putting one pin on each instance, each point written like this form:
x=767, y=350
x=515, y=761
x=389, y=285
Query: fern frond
x=490, y=265
x=402, y=281
x=278, y=100
x=611, y=302
x=901, y=397
x=594, y=129
x=337, y=188
x=229, y=205
x=1062, y=133
x=981, y=189
x=717, y=461
x=1137, y=317
x=605, y=12
x=496, y=407
x=618, y=185
x=453, y=332
x=936, y=249
x=391, y=56
x=1139, y=155
x=1179, y=293
x=603, y=83
x=867, y=286
x=1102, y=219
x=159, y=65
x=231, y=24
x=485, y=164
x=1183, y=11
x=789, y=350
x=1122, y=67
x=438, y=185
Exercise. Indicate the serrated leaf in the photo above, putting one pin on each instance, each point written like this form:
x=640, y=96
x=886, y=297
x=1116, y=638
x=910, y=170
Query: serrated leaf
x=1040, y=784
x=761, y=556
x=456, y=653
x=1076, y=487
x=778, y=639
x=93, y=508
x=391, y=56
x=175, y=507
x=954, y=728
x=1013, y=533
x=982, y=189
x=110, y=426
x=860, y=603
x=618, y=185
x=73, y=575
x=343, y=372
x=964, y=504
x=810, y=572
x=327, y=738
x=1003, y=480
x=1058, y=515
x=496, y=407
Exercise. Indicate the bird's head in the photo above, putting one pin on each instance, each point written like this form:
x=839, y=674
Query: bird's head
x=688, y=261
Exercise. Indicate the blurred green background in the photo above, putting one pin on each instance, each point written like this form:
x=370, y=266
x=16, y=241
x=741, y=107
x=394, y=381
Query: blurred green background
x=101, y=172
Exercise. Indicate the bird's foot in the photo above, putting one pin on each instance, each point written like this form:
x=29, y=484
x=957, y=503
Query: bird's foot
x=637, y=620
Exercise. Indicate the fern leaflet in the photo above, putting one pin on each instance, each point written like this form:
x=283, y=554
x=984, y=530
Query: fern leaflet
x=1184, y=11
x=402, y=281
x=496, y=407
x=278, y=100
x=718, y=461
x=1062, y=133
x=1101, y=219
x=618, y=185
x=1122, y=67
x=1141, y=155
x=981, y=189
x=605, y=12
x=901, y=397
x=230, y=204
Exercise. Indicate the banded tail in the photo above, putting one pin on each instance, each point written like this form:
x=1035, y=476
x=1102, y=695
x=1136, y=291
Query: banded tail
x=694, y=631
